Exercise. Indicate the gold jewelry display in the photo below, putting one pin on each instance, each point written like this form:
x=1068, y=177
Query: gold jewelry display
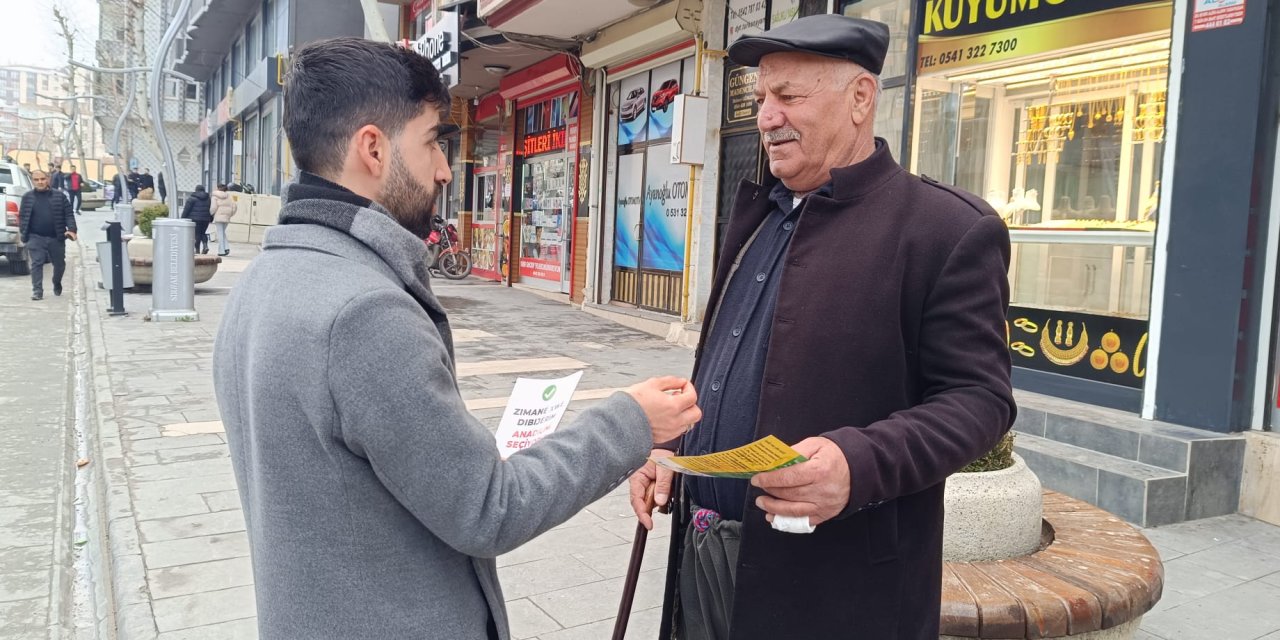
x=1137, y=355
x=1067, y=354
x=1023, y=349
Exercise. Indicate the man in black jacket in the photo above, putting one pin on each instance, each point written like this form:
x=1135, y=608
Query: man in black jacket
x=46, y=220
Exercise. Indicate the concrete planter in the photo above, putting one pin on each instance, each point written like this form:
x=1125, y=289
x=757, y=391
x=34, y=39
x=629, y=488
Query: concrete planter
x=140, y=252
x=992, y=515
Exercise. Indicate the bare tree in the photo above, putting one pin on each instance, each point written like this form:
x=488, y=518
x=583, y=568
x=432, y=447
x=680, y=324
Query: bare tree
x=73, y=127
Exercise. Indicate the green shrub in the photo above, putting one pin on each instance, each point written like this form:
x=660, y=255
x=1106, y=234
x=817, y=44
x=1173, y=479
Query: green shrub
x=148, y=214
x=999, y=457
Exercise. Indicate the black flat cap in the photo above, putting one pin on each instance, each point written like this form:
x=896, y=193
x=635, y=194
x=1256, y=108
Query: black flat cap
x=834, y=36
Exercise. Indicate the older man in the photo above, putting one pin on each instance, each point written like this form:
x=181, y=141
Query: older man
x=858, y=313
x=45, y=222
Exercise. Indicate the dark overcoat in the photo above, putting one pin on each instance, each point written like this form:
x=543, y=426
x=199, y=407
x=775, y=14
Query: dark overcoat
x=889, y=338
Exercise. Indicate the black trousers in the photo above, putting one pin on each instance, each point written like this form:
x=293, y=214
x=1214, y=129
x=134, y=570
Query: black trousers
x=45, y=250
x=75, y=198
x=202, y=235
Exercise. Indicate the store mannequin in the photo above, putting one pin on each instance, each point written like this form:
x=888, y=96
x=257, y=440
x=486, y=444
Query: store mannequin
x=1088, y=209
x=1105, y=210
x=1064, y=211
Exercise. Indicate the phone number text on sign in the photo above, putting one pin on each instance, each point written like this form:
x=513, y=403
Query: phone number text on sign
x=974, y=53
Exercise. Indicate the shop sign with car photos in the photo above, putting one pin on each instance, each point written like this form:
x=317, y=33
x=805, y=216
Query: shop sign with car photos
x=1093, y=347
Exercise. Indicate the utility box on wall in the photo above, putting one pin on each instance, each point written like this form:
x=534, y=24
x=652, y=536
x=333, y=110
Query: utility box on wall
x=689, y=130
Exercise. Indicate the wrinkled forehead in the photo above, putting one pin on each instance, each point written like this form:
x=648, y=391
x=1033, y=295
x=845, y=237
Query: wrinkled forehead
x=785, y=62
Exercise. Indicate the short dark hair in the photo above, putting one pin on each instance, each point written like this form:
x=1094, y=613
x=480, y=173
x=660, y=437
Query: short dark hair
x=221, y=187
x=334, y=87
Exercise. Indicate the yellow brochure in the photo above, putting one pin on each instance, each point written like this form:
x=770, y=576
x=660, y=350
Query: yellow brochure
x=765, y=454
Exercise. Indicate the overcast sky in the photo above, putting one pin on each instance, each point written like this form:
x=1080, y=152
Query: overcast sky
x=31, y=37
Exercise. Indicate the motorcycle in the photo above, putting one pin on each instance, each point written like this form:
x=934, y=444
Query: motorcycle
x=445, y=253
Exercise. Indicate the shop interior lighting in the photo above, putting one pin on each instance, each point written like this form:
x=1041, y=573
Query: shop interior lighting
x=1104, y=79
x=1150, y=60
x=1061, y=66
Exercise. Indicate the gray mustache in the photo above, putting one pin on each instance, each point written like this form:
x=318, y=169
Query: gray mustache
x=781, y=135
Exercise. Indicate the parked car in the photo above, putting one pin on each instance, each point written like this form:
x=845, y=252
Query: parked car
x=634, y=105
x=13, y=183
x=665, y=95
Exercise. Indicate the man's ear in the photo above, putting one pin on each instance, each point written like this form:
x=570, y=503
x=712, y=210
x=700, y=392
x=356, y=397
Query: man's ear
x=372, y=150
x=863, y=98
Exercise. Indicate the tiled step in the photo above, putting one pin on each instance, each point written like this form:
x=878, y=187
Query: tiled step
x=1143, y=494
x=1212, y=462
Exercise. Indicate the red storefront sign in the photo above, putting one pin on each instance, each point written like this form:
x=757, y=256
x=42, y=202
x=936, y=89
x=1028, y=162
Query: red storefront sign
x=540, y=269
x=544, y=142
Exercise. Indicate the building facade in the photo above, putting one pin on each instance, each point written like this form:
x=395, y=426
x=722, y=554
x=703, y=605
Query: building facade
x=36, y=113
x=238, y=50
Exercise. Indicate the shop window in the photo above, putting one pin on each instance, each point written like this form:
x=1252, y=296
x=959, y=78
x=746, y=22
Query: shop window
x=1066, y=146
x=896, y=14
x=651, y=194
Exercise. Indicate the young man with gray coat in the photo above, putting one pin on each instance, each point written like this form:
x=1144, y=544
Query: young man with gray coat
x=374, y=503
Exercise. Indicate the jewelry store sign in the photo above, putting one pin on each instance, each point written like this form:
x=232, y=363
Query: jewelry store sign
x=1215, y=14
x=962, y=33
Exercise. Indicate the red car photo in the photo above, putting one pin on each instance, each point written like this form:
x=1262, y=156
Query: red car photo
x=665, y=95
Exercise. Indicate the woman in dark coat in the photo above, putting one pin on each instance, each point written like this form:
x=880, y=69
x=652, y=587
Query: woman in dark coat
x=197, y=209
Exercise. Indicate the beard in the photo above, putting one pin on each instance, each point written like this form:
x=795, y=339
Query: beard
x=410, y=202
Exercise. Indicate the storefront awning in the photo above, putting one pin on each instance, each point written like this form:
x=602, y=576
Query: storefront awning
x=555, y=18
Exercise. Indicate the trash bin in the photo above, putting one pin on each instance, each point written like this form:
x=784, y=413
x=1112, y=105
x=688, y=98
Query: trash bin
x=104, y=262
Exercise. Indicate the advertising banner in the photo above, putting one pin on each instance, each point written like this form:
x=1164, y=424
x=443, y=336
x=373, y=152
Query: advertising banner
x=1215, y=14
x=666, y=210
x=1094, y=347
x=746, y=17
x=633, y=111
x=960, y=33
x=663, y=89
x=626, y=234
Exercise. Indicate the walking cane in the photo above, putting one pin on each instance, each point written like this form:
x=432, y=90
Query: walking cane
x=633, y=571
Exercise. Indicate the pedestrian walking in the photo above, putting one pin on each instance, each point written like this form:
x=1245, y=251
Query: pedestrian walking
x=887, y=379
x=197, y=210
x=374, y=503
x=224, y=208
x=147, y=181
x=160, y=186
x=56, y=181
x=132, y=180
x=118, y=189
x=45, y=222
x=74, y=182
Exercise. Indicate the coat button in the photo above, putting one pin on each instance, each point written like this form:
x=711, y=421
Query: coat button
x=737, y=331
x=715, y=386
x=788, y=225
x=760, y=277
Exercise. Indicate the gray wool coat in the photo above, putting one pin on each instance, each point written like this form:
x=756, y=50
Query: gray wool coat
x=374, y=503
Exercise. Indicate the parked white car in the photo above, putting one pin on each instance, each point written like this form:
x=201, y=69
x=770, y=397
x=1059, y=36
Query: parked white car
x=13, y=183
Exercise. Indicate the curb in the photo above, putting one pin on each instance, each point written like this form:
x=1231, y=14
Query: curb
x=123, y=574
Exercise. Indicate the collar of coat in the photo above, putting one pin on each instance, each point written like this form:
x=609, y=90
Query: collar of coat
x=314, y=200
x=857, y=180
